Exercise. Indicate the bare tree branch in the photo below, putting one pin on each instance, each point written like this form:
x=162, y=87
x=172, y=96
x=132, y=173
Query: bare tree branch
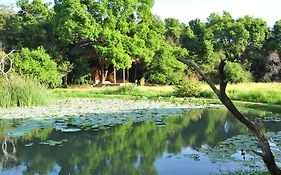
x=2, y=62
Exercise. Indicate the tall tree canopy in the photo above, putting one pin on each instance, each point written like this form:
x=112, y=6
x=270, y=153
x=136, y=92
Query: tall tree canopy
x=122, y=33
x=30, y=27
x=110, y=27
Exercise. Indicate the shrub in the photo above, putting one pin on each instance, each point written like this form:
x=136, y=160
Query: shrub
x=171, y=78
x=158, y=78
x=37, y=64
x=187, y=88
x=236, y=74
x=22, y=91
x=128, y=89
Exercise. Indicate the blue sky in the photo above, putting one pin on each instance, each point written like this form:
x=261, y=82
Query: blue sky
x=186, y=10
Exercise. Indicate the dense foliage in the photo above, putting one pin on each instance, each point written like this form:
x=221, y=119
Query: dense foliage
x=121, y=34
x=235, y=73
x=187, y=88
x=37, y=64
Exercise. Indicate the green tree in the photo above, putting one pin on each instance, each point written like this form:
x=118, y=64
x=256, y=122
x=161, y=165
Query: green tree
x=197, y=38
x=274, y=43
x=109, y=27
x=254, y=54
x=231, y=41
x=37, y=64
x=30, y=27
x=173, y=30
x=165, y=69
x=268, y=66
x=5, y=12
x=230, y=36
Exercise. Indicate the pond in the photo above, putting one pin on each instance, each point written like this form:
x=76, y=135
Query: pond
x=202, y=141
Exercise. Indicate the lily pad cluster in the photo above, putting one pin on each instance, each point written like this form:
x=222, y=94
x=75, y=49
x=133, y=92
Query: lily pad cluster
x=239, y=148
x=193, y=156
x=49, y=142
x=268, y=119
x=53, y=142
x=96, y=114
x=78, y=106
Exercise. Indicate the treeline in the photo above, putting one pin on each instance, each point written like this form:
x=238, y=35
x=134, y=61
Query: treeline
x=61, y=41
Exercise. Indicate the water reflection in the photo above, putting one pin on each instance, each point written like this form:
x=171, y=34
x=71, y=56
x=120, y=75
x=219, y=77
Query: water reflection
x=142, y=148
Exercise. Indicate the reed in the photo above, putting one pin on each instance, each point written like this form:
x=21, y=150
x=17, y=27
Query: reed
x=22, y=91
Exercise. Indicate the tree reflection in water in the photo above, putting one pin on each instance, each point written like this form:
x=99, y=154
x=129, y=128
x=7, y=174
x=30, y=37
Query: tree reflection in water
x=124, y=149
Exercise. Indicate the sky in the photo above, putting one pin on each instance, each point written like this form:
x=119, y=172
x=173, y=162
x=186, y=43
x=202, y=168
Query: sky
x=186, y=10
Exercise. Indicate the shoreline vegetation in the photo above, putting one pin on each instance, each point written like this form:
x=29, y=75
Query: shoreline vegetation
x=262, y=96
x=22, y=91
x=257, y=93
x=269, y=93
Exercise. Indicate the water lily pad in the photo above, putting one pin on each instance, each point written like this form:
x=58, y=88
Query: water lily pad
x=195, y=157
x=70, y=129
x=29, y=144
x=53, y=142
x=239, y=148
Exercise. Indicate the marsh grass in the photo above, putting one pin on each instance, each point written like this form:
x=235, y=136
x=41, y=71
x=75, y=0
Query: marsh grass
x=22, y=91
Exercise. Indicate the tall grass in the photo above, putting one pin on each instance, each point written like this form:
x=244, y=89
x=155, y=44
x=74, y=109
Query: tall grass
x=22, y=91
x=269, y=93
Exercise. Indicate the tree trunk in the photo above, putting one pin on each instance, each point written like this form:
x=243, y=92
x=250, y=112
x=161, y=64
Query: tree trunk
x=128, y=75
x=124, y=76
x=65, y=81
x=135, y=73
x=102, y=74
x=114, y=75
x=105, y=75
x=266, y=153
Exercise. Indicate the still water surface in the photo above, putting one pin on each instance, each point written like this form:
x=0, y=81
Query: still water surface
x=141, y=148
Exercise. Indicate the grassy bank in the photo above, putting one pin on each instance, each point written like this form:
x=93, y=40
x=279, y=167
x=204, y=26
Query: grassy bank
x=269, y=93
x=125, y=90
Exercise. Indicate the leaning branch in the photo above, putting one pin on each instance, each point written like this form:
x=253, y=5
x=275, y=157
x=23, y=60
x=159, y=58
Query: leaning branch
x=201, y=73
x=223, y=81
x=266, y=153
